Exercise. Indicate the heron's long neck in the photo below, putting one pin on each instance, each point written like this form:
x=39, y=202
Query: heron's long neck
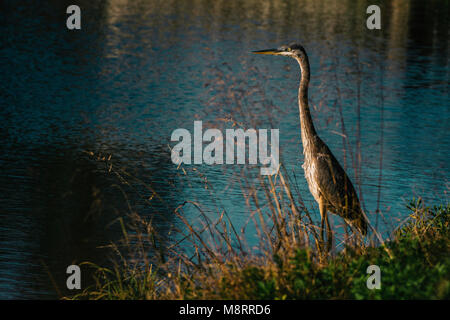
x=307, y=126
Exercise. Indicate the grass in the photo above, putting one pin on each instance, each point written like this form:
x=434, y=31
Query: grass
x=289, y=262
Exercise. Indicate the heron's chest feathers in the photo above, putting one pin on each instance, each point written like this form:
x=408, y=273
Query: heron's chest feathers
x=310, y=166
x=312, y=151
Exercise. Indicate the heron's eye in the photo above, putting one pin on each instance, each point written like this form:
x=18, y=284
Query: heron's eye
x=288, y=49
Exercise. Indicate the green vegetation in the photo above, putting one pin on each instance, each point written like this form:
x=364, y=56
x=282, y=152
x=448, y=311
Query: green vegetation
x=414, y=265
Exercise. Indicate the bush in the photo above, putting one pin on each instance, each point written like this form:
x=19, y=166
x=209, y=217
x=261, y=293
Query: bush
x=414, y=265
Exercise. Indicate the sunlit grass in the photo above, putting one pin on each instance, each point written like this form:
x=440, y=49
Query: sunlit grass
x=211, y=260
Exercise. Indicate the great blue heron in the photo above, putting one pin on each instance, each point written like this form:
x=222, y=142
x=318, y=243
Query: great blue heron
x=327, y=181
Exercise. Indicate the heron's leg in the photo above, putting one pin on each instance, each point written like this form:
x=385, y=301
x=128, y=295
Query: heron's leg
x=323, y=214
x=329, y=233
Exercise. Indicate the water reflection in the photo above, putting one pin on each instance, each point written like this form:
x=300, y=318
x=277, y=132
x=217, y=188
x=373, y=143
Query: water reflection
x=140, y=69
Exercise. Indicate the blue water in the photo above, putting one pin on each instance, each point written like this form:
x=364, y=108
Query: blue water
x=138, y=70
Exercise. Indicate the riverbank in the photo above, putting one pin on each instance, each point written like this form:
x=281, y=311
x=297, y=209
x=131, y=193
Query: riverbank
x=415, y=264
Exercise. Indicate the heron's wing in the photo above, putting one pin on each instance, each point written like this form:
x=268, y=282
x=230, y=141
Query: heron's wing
x=335, y=186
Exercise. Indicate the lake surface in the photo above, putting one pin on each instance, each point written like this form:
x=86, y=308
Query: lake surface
x=138, y=70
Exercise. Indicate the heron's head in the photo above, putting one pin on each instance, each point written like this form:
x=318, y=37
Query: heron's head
x=293, y=50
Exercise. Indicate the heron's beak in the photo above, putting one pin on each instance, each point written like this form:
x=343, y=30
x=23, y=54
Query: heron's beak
x=267, y=51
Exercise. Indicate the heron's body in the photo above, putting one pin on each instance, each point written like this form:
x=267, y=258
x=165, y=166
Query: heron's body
x=327, y=180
